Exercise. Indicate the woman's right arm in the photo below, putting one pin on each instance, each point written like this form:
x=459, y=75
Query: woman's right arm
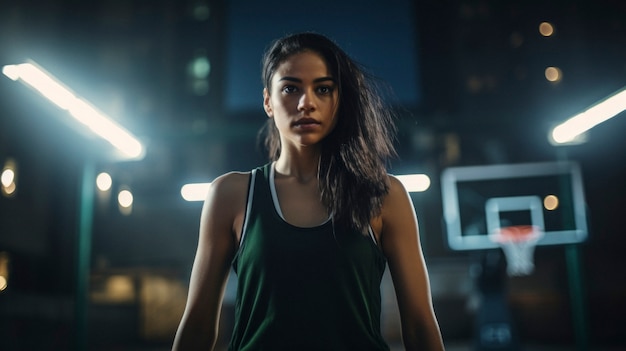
x=217, y=244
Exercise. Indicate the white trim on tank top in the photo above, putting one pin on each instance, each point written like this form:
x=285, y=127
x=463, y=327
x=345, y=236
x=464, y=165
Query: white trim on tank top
x=248, y=206
x=273, y=191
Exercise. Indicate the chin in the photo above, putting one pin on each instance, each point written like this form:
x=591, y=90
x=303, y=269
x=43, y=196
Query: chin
x=310, y=141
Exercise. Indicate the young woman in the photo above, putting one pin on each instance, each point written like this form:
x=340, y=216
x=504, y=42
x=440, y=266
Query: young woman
x=309, y=234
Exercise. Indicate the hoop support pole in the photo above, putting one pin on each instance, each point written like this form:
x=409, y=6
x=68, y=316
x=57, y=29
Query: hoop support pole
x=577, y=296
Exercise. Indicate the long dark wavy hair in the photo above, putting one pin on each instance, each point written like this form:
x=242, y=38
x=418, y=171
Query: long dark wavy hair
x=354, y=156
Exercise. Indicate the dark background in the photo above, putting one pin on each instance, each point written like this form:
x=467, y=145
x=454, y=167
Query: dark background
x=467, y=78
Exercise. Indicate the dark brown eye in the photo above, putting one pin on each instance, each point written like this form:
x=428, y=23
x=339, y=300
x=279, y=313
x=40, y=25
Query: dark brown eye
x=289, y=89
x=325, y=90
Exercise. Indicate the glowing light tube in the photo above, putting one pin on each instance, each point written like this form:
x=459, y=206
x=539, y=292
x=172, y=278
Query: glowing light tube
x=80, y=109
x=610, y=107
x=412, y=182
x=195, y=191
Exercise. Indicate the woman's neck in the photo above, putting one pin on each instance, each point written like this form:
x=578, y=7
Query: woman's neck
x=303, y=165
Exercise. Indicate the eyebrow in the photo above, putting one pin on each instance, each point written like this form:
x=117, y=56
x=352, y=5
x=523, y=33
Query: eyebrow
x=316, y=80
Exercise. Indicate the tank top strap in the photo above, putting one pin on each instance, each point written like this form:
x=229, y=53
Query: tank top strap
x=257, y=185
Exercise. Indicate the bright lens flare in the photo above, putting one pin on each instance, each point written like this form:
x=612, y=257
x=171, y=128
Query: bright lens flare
x=78, y=108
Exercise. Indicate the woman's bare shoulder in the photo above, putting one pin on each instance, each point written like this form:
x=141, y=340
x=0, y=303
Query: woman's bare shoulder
x=392, y=202
x=225, y=203
x=397, y=203
x=230, y=185
x=397, y=191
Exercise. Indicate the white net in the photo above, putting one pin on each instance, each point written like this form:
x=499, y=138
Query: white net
x=518, y=244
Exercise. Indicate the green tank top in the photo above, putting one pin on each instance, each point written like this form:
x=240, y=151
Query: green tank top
x=301, y=289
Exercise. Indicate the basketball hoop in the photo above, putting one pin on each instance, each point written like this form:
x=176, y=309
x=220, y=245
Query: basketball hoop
x=518, y=243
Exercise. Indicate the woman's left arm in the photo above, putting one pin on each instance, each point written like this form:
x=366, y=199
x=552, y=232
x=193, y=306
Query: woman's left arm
x=400, y=243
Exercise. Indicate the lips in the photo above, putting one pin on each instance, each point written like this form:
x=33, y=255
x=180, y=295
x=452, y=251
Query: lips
x=304, y=121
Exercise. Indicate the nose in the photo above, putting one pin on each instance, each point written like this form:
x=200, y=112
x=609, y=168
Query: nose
x=306, y=102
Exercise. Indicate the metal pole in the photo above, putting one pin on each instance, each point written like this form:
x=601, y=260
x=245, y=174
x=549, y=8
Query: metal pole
x=576, y=283
x=83, y=253
x=577, y=296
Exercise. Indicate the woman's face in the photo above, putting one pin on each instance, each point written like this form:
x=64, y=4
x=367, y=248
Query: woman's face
x=302, y=100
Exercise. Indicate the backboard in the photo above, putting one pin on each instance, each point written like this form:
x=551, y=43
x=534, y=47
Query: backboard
x=478, y=200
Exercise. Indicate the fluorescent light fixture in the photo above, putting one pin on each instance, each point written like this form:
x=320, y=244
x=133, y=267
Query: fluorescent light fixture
x=415, y=183
x=48, y=86
x=195, y=191
x=570, y=130
x=412, y=182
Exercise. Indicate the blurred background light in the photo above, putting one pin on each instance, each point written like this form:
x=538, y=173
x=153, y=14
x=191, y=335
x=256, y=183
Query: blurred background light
x=104, y=181
x=37, y=78
x=201, y=11
x=8, y=177
x=4, y=270
x=121, y=288
x=551, y=202
x=9, y=190
x=117, y=288
x=200, y=67
x=546, y=29
x=572, y=128
x=198, y=71
x=553, y=74
x=125, y=198
x=415, y=182
x=195, y=191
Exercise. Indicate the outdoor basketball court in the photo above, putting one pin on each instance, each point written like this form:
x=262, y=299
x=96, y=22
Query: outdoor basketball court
x=511, y=209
